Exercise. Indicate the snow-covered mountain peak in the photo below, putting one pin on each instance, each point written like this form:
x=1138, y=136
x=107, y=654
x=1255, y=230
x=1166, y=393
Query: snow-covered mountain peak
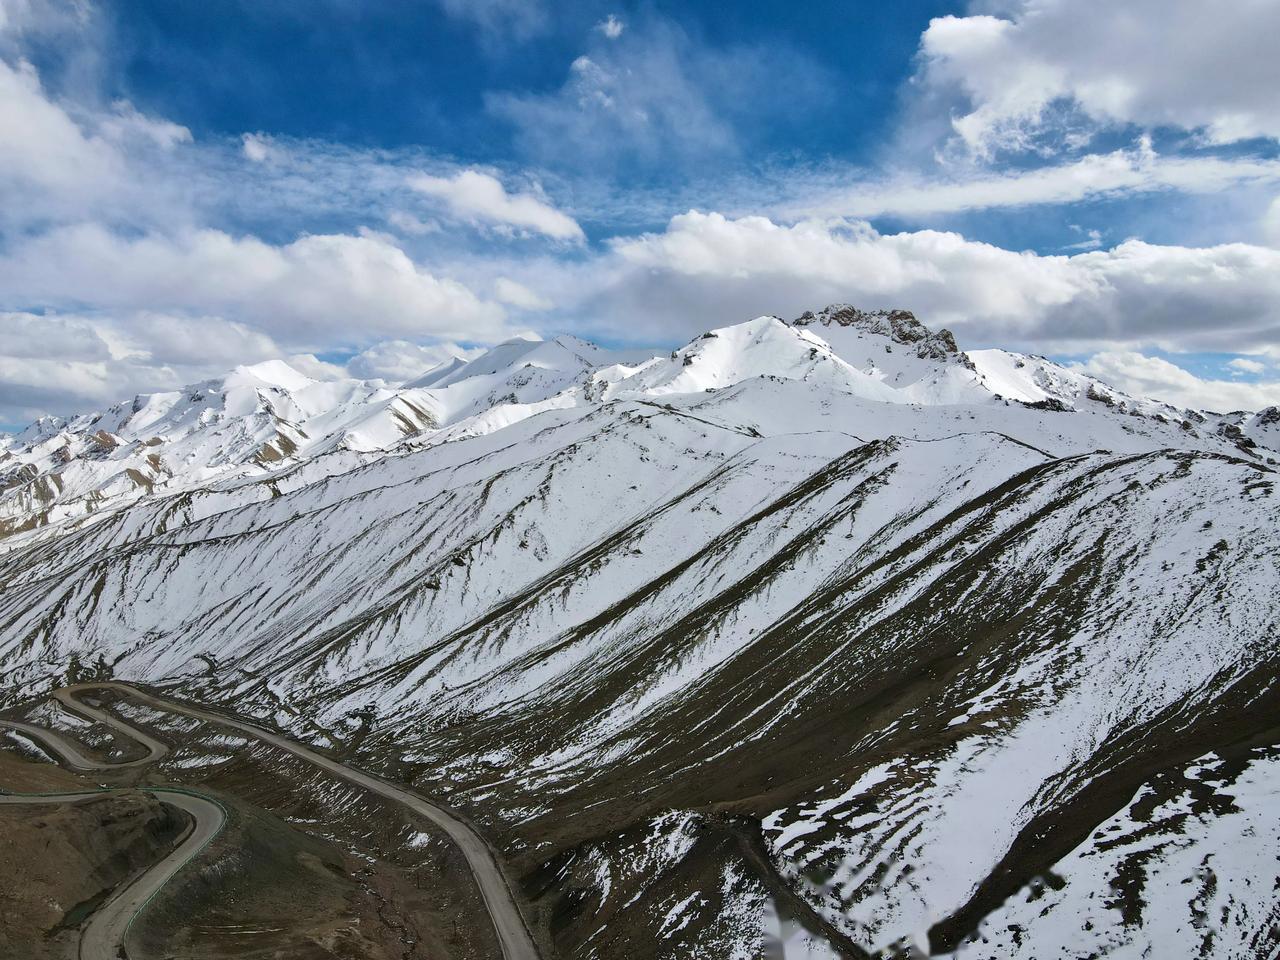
x=564, y=353
x=763, y=347
x=268, y=373
x=824, y=614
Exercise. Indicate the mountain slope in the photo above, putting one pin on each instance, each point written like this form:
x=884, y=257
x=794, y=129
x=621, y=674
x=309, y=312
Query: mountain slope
x=753, y=635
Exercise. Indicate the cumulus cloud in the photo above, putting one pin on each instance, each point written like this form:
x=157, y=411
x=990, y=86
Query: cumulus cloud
x=41, y=146
x=28, y=336
x=481, y=198
x=709, y=268
x=67, y=362
x=1245, y=365
x=309, y=291
x=59, y=161
x=259, y=147
x=99, y=212
x=1197, y=66
x=193, y=342
x=411, y=226
x=125, y=124
x=1155, y=377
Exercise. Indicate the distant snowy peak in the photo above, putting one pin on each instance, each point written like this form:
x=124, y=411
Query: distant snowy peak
x=269, y=374
x=1262, y=427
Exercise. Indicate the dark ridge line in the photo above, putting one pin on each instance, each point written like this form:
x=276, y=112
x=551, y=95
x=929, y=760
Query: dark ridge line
x=564, y=572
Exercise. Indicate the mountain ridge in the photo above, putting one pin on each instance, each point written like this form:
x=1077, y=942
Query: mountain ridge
x=268, y=416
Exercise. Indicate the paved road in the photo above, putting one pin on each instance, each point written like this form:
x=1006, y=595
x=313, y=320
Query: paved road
x=155, y=749
x=108, y=929
x=106, y=933
x=71, y=750
x=513, y=934
x=63, y=746
x=104, y=936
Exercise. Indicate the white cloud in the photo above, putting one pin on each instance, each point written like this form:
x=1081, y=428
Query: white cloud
x=1092, y=240
x=1197, y=66
x=1245, y=365
x=71, y=363
x=41, y=146
x=708, y=268
x=19, y=17
x=399, y=360
x=1157, y=378
x=518, y=19
x=312, y=290
x=259, y=147
x=611, y=27
x=124, y=124
x=410, y=225
x=479, y=197
x=66, y=362
x=29, y=336
x=100, y=217
x=653, y=96
x=60, y=161
x=1122, y=172
x=1271, y=223
x=516, y=294
x=197, y=342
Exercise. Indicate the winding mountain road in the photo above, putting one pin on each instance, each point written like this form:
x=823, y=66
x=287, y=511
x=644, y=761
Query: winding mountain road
x=105, y=935
x=513, y=934
x=63, y=746
x=155, y=749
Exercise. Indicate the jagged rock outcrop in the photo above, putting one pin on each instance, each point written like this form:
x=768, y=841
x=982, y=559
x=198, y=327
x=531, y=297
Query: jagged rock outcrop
x=900, y=326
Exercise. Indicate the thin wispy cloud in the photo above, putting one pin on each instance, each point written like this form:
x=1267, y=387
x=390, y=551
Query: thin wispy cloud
x=1128, y=172
x=611, y=27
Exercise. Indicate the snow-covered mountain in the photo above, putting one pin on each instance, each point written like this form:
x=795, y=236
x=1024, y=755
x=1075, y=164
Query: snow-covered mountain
x=826, y=619
x=267, y=418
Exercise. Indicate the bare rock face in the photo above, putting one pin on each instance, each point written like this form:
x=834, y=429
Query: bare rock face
x=901, y=326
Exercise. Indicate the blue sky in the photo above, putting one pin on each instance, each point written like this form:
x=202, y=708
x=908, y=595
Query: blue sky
x=363, y=187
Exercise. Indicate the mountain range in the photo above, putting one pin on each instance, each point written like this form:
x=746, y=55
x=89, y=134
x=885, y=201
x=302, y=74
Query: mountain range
x=820, y=635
